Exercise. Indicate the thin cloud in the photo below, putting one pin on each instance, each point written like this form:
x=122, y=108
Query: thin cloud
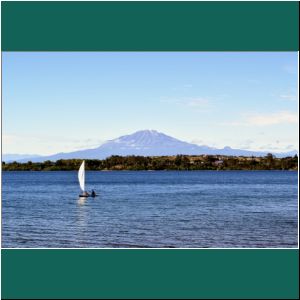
x=282, y=117
x=277, y=148
x=193, y=102
x=288, y=97
x=196, y=102
x=290, y=147
x=247, y=144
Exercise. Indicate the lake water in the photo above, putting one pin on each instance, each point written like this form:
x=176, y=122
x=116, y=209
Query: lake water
x=150, y=209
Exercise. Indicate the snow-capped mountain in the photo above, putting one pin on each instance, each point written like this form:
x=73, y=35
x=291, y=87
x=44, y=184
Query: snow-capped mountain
x=148, y=143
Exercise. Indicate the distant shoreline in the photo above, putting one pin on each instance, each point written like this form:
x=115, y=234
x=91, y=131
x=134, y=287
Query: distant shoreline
x=163, y=163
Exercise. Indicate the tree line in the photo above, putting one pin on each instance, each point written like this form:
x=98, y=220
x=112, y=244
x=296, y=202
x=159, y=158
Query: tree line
x=178, y=162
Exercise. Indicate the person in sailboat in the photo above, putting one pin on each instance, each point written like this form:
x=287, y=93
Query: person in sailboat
x=93, y=194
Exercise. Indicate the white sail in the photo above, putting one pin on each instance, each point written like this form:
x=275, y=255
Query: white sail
x=81, y=176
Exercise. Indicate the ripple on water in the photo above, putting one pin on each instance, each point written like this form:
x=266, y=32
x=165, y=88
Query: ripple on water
x=198, y=209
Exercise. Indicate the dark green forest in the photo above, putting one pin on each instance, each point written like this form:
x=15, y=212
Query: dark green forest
x=179, y=162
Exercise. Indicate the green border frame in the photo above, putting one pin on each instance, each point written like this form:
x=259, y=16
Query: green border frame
x=153, y=273
x=150, y=26
x=150, y=274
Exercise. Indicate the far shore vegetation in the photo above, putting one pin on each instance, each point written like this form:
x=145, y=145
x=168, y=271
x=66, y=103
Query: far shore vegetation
x=178, y=162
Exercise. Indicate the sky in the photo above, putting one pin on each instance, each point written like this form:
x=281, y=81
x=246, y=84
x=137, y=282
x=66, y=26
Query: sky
x=63, y=101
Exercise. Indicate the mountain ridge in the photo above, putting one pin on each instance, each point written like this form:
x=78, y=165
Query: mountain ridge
x=147, y=143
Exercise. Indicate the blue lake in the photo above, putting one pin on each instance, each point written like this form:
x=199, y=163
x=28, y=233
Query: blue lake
x=198, y=209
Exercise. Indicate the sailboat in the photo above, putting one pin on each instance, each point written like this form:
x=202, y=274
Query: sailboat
x=81, y=179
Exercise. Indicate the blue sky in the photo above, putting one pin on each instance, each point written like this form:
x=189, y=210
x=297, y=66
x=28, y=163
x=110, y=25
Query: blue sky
x=64, y=101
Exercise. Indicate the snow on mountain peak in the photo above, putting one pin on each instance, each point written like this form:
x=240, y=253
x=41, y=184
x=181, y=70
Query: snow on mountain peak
x=146, y=138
